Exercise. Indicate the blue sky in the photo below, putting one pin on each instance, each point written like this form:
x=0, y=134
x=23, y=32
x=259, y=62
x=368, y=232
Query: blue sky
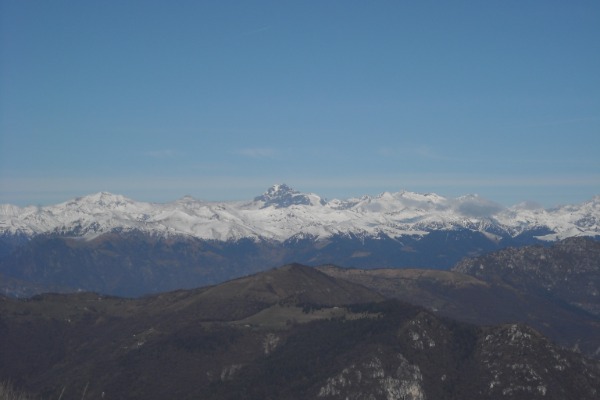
x=221, y=99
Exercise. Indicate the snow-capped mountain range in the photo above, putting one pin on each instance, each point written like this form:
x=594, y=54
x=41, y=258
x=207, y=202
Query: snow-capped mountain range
x=282, y=213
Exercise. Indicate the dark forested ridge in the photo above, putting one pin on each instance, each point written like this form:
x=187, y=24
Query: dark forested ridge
x=553, y=289
x=568, y=271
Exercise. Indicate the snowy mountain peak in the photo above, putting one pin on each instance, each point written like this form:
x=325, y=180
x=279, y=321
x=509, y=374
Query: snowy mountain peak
x=282, y=212
x=9, y=210
x=279, y=190
x=104, y=199
x=281, y=196
x=429, y=198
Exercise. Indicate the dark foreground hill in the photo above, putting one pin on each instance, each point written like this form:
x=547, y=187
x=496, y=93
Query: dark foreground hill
x=289, y=333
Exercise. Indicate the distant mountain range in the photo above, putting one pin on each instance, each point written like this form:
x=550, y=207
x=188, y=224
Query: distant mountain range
x=111, y=244
x=282, y=213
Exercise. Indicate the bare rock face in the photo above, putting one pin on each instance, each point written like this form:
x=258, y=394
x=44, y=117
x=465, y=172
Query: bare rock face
x=281, y=196
x=373, y=380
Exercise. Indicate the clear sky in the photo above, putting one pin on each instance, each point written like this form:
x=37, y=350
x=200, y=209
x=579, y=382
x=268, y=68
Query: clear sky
x=221, y=99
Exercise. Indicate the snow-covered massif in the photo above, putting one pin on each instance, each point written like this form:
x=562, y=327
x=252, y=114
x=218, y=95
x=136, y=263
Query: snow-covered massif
x=282, y=213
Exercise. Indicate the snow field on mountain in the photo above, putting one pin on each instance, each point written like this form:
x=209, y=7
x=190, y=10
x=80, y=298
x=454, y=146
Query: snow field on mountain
x=282, y=213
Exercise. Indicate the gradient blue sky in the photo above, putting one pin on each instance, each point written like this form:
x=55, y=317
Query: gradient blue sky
x=221, y=99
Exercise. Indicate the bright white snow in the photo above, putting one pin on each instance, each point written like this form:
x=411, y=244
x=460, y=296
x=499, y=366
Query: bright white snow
x=282, y=213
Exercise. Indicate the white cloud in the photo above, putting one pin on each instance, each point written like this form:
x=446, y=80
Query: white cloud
x=257, y=152
x=257, y=30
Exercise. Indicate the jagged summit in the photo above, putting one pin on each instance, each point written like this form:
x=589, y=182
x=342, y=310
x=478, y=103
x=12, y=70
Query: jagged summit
x=276, y=191
x=281, y=195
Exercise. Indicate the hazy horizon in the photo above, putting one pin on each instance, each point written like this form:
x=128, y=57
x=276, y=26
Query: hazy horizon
x=59, y=198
